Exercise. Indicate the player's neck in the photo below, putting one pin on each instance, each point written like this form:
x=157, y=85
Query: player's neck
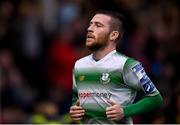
x=99, y=54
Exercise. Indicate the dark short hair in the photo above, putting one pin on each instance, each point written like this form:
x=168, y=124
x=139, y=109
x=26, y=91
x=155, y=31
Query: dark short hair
x=116, y=21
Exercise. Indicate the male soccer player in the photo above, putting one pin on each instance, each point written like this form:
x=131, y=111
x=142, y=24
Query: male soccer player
x=106, y=82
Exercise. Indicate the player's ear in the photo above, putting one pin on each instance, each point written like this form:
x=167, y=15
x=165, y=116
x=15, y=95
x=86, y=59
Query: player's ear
x=114, y=35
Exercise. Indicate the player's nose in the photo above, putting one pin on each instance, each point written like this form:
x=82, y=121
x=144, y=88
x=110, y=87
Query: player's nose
x=90, y=28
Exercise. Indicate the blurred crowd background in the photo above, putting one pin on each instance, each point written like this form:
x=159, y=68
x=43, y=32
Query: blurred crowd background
x=41, y=39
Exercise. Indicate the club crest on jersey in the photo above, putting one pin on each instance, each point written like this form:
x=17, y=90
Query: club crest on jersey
x=105, y=78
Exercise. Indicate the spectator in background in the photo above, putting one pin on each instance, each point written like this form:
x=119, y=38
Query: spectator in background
x=61, y=51
x=45, y=112
x=13, y=115
x=61, y=58
x=15, y=91
x=60, y=61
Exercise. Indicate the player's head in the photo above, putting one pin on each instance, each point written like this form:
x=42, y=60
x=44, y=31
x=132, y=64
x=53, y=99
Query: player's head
x=105, y=28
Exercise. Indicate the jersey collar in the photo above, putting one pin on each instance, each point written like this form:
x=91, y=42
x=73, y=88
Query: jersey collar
x=104, y=58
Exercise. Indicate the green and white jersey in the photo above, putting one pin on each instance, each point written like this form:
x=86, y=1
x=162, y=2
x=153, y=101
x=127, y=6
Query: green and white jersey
x=115, y=77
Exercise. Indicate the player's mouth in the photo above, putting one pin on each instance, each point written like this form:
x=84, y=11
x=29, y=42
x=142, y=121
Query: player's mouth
x=90, y=36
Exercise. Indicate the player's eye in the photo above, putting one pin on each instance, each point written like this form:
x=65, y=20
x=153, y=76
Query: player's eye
x=99, y=25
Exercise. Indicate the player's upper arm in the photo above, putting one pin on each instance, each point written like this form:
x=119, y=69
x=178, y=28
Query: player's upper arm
x=135, y=76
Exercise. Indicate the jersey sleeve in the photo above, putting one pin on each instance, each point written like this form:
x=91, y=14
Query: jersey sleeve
x=74, y=89
x=135, y=76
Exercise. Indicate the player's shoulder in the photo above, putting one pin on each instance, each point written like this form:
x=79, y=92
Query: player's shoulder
x=119, y=56
x=83, y=61
x=126, y=60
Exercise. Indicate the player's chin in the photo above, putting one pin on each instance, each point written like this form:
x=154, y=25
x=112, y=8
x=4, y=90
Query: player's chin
x=89, y=42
